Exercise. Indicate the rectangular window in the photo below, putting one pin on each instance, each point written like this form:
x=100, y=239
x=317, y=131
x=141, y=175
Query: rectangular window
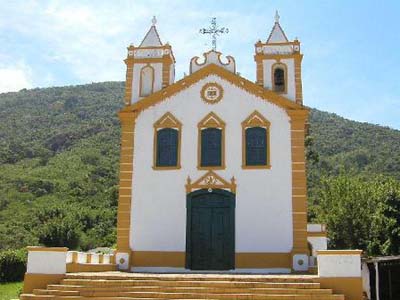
x=211, y=147
x=256, y=146
x=167, y=147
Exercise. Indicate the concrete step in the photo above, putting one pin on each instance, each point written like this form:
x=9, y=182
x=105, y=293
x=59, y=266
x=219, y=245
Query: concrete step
x=104, y=291
x=189, y=296
x=221, y=296
x=141, y=286
x=185, y=283
x=56, y=292
x=190, y=277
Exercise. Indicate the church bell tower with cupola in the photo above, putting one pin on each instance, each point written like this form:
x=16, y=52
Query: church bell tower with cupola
x=279, y=64
x=150, y=67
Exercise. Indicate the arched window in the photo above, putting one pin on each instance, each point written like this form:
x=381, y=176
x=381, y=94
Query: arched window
x=211, y=143
x=167, y=147
x=146, y=81
x=279, y=78
x=167, y=143
x=255, y=142
x=256, y=146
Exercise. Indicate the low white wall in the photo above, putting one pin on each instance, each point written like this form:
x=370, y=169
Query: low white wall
x=339, y=263
x=47, y=261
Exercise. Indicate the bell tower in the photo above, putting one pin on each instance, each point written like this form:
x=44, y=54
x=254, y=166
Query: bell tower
x=150, y=67
x=278, y=62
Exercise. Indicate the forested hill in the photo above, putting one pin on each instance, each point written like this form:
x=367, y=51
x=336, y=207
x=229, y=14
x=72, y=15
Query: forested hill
x=59, y=151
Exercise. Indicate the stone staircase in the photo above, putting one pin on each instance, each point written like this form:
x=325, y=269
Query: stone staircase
x=130, y=286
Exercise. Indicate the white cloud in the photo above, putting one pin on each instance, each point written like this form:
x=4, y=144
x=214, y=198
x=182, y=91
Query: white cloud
x=14, y=78
x=90, y=41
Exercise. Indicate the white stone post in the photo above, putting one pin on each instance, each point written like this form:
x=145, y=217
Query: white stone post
x=45, y=265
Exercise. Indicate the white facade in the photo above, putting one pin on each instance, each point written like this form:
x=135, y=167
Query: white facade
x=263, y=197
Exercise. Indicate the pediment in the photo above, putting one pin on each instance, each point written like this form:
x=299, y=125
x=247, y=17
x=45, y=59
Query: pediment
x=210, y=180
x=213, y=69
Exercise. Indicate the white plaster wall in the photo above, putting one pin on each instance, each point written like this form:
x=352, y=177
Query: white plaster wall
x=46, y=262
x=291, y=87
x=263, y=198
x=317, y=243
x=172, y=74
x=345, y=265
x=136, y=79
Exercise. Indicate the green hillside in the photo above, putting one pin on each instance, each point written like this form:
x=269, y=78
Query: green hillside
x=59, y=151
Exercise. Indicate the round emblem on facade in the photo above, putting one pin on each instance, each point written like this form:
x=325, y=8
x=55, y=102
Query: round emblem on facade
x=211, y=93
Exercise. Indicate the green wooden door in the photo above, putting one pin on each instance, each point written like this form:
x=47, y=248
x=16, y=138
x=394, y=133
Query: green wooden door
x=210, y=230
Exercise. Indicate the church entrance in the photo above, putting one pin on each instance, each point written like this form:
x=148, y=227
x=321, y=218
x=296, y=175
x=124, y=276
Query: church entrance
x=210, y=235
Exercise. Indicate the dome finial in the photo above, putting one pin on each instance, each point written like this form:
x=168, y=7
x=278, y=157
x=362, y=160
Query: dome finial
x=277, y=16
x=154, y=20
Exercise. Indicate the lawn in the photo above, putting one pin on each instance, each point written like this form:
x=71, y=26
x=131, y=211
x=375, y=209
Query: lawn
x=10, y=290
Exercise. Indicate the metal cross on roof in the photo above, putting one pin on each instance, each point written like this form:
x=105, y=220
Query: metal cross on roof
x=214, y=31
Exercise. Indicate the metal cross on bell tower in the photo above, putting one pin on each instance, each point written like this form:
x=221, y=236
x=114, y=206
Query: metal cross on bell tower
x=214, y=31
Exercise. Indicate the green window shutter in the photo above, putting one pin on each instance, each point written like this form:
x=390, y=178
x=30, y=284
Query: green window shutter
x=211, y=147
x=167, y=147
x=256, y=146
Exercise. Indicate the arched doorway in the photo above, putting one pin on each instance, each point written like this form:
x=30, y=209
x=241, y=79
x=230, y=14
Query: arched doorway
x=210, y=230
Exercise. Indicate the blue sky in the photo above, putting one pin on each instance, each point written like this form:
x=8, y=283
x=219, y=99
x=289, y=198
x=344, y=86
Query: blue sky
x=351, y=48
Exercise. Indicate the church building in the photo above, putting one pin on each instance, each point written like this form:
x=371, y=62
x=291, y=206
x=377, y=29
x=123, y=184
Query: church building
x=212, y=180
x=212, y=171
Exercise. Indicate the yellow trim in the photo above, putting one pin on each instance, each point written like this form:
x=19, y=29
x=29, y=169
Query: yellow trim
x=339, y=252
x=242, y=259
x=40, y=281
x=158, y=259
x=263, y=260
x=204, y=89
x=166, y=66
x=260, y=73
x=298, y=118
x=128, y=82
x=255, y=120
x=235, y=79
x=210, y=180
x=147, y=60
x=297, y=79
x=141, y=80
x=350, y=287
x=167, y=121
x=279, y=65
x=211, y=120
x=78, y=267
x=127, y=120
x=46, y=249
x=317, y=234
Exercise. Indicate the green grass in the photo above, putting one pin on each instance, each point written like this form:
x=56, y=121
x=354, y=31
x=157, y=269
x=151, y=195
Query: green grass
x=10, y=290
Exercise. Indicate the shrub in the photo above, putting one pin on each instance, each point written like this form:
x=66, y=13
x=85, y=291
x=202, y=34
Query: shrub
x=12, y=265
